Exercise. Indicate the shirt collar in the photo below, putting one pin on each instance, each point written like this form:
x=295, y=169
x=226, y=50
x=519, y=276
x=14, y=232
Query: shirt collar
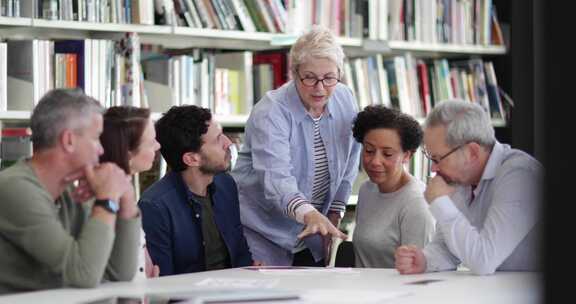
x=494, y=161
x=189, y=194
x=296, y=107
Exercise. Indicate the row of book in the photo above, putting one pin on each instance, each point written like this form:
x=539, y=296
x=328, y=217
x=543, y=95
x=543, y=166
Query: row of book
x=414, y=86
x=101, y=11
x=429, y=21
x=229, y=83
x=445, y=21
x=221, y=81
x=126, y=73
x=106, y=70
x=11, y=8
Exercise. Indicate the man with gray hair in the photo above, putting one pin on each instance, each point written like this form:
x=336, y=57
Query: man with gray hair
x=485, y=197
x=47, y=239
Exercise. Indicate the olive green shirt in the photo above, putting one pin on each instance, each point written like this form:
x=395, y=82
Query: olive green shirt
x=51, y=244
x=215, y=251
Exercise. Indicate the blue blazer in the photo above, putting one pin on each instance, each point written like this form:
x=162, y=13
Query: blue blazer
x=172, y=224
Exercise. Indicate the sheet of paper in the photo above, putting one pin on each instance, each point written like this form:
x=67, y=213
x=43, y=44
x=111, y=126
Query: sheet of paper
x=304, y=270
x=236, y=283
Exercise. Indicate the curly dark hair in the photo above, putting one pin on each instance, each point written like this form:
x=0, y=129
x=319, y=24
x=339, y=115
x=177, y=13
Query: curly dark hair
x=122, y=132
x=381, y=117
x=180, y=131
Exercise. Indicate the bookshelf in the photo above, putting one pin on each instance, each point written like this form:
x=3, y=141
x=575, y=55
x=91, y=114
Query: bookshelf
x=361, y=32
x=184, y=37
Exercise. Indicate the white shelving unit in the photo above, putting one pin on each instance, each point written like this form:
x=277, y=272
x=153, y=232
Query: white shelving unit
x=224, y=120
x=15, y=21
x=184, y=37
x=442, y=49
x=14, y=115
x=180, y=37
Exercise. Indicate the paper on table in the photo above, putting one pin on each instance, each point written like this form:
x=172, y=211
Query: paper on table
x=350, y=296
x=237, y=283
x=305, y=270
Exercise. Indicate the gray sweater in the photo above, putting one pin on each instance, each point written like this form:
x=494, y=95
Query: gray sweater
x=50, y=244
x=385, y=221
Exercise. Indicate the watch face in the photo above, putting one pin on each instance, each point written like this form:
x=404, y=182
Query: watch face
x=108, y=204
x=113, y=205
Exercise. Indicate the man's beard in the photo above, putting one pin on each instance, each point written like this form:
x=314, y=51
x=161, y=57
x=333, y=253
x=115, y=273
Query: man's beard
x=211, y=169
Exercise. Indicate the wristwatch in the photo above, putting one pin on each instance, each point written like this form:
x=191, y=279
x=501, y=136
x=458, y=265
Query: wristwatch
x=108, y=204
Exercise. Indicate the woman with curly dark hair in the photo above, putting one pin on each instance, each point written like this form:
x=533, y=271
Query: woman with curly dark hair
x=391, y=208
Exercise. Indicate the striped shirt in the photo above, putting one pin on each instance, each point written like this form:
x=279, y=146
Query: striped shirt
x=321, y=182
x=321, y=174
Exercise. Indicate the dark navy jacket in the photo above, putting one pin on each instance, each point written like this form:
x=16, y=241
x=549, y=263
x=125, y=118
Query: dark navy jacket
x=173, y=226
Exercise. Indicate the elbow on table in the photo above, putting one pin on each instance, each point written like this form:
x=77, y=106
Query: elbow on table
x=482, y=268
x=124, y=277
x=92, y=282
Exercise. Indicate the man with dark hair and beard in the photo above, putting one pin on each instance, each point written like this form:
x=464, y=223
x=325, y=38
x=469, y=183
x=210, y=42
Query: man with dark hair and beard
x=191, y=216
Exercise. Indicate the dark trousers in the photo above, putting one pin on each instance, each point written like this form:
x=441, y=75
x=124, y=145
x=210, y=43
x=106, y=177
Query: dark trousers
x=305, y=258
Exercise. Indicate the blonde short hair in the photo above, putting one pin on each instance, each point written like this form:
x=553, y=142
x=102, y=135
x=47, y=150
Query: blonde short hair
x=318, y=43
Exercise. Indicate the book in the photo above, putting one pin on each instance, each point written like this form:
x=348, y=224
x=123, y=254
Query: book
x=15, y=143
x=193, y=12
x=496, y=108
x=279, y=62
x=3, y=76
x=424, y=86
x=243, y=15
x=23, y=82
x=76, y=47
x=255, y=15
x=157, y=83
x=263, y=80
x=496, y=29
x=241, y=62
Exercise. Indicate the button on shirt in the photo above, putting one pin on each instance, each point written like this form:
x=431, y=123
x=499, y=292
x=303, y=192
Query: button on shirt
x=499, y=229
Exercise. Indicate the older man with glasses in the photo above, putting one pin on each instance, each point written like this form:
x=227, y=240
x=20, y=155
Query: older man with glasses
x=485, y=197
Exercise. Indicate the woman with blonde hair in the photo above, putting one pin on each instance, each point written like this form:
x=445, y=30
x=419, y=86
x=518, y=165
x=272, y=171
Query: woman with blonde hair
x=299, y=160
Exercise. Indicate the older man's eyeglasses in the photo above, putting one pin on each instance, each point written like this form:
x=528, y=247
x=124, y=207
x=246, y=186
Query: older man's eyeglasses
x=313, y=81
x=439, y=159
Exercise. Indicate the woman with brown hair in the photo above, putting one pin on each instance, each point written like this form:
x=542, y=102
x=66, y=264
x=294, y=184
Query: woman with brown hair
x=129, y=140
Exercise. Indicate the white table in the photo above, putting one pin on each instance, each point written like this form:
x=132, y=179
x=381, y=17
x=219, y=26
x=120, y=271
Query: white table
x=454, y=287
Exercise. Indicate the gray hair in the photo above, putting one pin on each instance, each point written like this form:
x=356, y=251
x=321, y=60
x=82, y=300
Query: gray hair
x=318, y=43
x=58, y=110
x=464, y=122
